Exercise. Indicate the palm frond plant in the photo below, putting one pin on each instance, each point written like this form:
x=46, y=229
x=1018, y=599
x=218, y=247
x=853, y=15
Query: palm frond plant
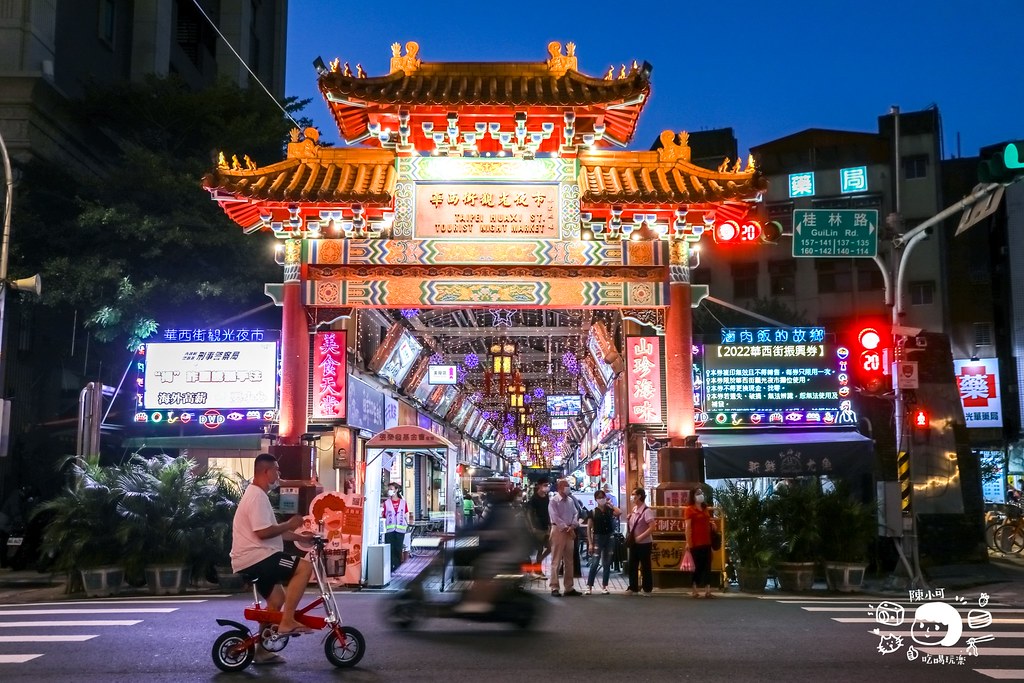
x=165, y=507
x=751, y=537
x=796, y=510
x=83, y=520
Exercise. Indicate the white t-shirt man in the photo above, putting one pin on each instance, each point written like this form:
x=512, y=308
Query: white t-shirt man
x=254, y=513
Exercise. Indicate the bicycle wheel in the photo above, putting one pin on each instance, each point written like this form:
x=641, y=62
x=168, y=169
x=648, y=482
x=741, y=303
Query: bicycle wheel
x=227, y=653
x=1009, y=539
x=345, y=653
x=990, y=535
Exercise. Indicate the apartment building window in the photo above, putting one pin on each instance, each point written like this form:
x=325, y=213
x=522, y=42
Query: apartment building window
x=782, y=277
x=107, y=22
x=700, y=276
x=915, y=166
x=834, y=276
x=869, y=276
x=982, y=334
x=922, y=292
x=744, y=280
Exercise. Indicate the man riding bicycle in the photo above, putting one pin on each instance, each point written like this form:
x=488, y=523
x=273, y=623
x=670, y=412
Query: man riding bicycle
x=257, y=550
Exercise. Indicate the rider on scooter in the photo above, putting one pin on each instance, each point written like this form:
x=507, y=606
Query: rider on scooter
x=503, y=543
x=257, y=548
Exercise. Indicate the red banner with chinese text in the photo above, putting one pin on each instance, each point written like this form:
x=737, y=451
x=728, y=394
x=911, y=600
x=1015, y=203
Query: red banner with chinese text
x=643, y=379
x=329, y=375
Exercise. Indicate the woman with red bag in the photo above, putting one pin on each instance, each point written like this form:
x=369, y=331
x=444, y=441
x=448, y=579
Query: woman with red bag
x=698, y=524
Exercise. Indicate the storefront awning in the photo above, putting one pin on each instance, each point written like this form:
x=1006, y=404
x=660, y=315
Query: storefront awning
x=840, y=454
x=242, y=442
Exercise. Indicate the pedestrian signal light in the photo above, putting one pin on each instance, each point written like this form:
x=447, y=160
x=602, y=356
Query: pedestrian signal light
x=921, y=419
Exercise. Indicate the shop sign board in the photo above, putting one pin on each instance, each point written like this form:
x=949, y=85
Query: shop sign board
x=207, y=384
x=978, y=384
x=504, y=211
x=365, y=406
x=773, y=377
x=329, y=375
x=667, y=555
x=445, y=375
x=643, y=380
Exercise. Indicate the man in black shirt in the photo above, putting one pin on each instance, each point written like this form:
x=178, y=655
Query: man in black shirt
x=539, y=520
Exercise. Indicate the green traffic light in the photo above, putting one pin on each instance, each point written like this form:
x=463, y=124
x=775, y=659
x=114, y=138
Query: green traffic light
x=1012, y=156
x=1006, y=166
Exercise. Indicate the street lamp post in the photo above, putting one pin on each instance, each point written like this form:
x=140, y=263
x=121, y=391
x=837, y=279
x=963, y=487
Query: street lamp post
x=4, y=251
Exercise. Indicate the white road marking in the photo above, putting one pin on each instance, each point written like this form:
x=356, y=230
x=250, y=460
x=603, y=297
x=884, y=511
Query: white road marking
x=16, y=659
x=1003, y=674
x=866, y=609
x=97, y=622
x=131, y=610
x=46, y=639
x=870, y=620
x=102, y=602
x=982, y=651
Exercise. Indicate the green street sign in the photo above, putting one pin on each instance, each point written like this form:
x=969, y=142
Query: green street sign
x=840, y=233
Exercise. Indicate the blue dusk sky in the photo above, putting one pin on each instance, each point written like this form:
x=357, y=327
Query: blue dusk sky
x=767, y=69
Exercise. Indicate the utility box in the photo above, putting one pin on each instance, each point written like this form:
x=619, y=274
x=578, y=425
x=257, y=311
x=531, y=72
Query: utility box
x=378, y=565
x=890, y=512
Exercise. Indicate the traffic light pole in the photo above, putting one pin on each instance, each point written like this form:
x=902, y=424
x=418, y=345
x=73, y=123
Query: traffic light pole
x=894, y=298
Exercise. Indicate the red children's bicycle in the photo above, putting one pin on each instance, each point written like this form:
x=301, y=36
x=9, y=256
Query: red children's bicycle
x=344, y=646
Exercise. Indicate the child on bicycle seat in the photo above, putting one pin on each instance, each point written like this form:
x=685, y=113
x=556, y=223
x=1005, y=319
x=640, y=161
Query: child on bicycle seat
x=257, y=548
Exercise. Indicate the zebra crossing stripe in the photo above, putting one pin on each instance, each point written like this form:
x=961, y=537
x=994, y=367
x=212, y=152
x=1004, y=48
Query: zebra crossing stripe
x=1003, y=674
x=46, y=639
x=49, y=624
x=75, y=610
x=17, y=659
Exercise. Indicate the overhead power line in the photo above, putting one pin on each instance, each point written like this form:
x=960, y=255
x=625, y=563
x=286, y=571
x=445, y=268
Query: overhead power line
x=251, y=72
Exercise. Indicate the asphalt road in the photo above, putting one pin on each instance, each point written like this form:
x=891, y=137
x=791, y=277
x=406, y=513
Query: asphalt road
x=608, y=638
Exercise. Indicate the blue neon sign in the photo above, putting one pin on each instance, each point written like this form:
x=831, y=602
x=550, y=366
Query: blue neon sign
x=801, y=184
x=853, y=179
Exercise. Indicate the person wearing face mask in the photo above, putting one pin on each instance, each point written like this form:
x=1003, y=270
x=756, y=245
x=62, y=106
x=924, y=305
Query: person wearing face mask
x=257, y=552
x=641, y=528
x=540, y=522
x=600, y=526
x=397, y=519
x=698, y=523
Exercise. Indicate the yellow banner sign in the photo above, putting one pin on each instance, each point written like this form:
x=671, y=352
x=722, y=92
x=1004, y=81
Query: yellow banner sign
x=487, y=211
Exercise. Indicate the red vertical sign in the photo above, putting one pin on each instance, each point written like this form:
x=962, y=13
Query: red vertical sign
x=329, y=375
x=643, y=379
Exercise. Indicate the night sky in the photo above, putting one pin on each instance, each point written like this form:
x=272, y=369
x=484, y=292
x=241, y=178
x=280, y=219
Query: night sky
x=767, y=69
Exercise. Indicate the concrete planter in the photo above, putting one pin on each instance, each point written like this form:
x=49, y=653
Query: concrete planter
x=751, y=580
x=102, y=582
x=795, y=577
x=167, y=579
x=845, y=577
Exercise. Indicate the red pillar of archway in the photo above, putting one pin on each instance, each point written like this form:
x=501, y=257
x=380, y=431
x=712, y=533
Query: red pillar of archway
x=678, y=346
x=294, y=352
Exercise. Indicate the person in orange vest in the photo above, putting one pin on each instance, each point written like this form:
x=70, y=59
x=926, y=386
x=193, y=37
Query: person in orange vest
x=396, y=522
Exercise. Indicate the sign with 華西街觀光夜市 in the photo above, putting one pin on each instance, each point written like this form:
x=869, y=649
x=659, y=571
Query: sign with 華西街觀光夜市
x=487, y=211
x=845, y=233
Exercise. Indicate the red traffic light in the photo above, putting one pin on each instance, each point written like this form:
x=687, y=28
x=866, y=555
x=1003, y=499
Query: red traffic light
x=732, y=232
x=920, y=419
x=869, y=338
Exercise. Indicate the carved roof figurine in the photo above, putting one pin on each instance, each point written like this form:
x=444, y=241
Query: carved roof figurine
x=410, y=63
x=305, y=147
x=335, y=64
x=558, y=63
x=221, y=161
x=670, y=150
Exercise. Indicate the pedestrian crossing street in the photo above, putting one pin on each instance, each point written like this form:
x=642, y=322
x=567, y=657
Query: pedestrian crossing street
x=30, y=631
x=991, y=634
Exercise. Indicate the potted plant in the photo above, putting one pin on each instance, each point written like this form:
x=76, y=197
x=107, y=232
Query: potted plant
x=847, y=527
x=796, y=508
x=750, y=537
x=81, y=533
x=218, y=515
x=163, y=507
